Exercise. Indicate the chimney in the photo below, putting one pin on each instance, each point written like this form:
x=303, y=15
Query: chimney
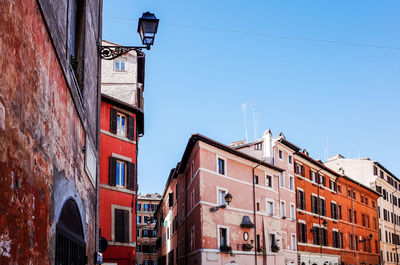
x=268, y=154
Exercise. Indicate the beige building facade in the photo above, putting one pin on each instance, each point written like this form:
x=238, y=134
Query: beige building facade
x=146, y=234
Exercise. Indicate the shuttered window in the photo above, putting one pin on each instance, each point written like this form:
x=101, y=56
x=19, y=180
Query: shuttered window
x=122, y=124
x=121, y=223
x=334, y=214
x=115, y=173
x=301, y=200
x=302, y=232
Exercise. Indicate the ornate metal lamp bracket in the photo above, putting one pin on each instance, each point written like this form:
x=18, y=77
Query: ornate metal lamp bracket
x=112, y=52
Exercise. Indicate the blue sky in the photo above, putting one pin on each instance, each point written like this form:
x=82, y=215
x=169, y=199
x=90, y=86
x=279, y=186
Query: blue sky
x=209, y=57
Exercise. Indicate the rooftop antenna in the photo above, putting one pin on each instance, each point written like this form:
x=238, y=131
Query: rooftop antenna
x=257, y=123
x=245, y=121
x=253, y=106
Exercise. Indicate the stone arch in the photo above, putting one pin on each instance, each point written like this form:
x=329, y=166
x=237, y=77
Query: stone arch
x=70, y=239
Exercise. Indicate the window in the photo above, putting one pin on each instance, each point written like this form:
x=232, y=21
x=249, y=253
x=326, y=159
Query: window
x=221, y=166
x=314, y=204
x=349, y=216
x=340, y=211
x=221, y=197
x=121, y=226
x=290, y=160
x=332, y=185
x=256, y=179
x=268, y=181
x=146, y=219
x=77, y=40
x=258, y=146
x=335, y=239
x=138, y=219
x=316, y=235
x=313, y=176
x=301, y=200
x=341, y=240
x=322, y=180
x=292, y=212
x=381, y=174
x=375, y=171
x=223, y=236
x=146, y=207
x=299, y=169
x=324, y=236
x=272, y=241
x=334, y=210
x=120, y=174
x=270, y=208
x=171, y=199
x=283, y=209
x=293, y=241
x=291, y=183
x=138, y=206
x=119, y=64
x=338, y=189
x=121, y=124
x=302, y=232
x=281, y=180
x=280, y=154
x=351, y=241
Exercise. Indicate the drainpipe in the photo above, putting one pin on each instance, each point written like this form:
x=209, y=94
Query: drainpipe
x=186, y=207
x=254, y=213
x=319, y=211
x=394, y=228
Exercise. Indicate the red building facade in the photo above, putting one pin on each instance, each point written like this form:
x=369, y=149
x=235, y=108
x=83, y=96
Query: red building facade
x=121, y=125
x=337, y=216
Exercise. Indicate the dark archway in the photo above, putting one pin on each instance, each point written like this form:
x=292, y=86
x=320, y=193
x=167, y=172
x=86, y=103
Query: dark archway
x=70, y=241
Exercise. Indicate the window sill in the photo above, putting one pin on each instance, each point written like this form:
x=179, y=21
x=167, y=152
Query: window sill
x=116, y=188
x=117, y=136
x=126, y=244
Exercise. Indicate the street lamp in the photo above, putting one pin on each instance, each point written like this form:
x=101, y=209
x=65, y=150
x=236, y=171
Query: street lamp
x=228, y=199
x=147, y=29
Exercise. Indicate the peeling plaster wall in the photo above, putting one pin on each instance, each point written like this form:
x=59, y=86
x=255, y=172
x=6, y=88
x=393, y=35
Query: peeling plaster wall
x=43, y=130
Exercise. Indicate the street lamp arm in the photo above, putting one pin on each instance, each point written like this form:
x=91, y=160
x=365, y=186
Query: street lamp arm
x=112, y=52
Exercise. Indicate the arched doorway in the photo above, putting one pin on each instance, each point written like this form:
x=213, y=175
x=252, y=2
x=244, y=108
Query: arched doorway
x=70, y=241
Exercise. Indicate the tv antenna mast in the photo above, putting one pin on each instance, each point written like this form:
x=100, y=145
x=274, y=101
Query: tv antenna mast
x=255, y=120
x=245, y=122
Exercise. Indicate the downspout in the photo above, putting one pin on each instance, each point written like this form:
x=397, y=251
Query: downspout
x=254, y=213
x=394, y=228
x=186, y=207
x=319, y=206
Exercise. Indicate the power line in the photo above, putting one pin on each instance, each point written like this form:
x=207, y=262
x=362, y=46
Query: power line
x=270, y=35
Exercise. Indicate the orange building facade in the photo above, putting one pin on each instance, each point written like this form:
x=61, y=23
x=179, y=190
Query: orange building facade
x=336, y=216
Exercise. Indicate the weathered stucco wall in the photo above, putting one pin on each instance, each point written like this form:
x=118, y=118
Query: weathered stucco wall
x=42, y=133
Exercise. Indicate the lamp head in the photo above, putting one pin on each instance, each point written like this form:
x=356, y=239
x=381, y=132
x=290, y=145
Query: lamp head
x=228, y=198
x=147, y=28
